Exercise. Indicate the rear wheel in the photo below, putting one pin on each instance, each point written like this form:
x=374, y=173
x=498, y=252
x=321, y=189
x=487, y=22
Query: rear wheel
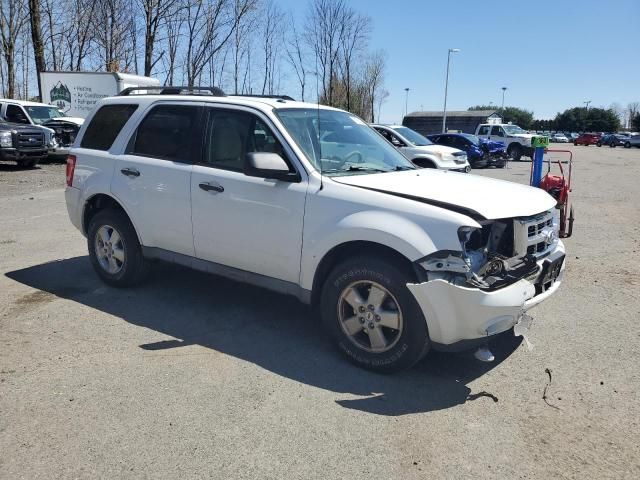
x=575, y=144
x=599, y=144
x=373, y=317
x=612, y=144
x=114, y=249
x=627, y=145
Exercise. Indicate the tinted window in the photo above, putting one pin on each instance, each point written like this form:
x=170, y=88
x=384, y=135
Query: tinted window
x=231, y=135
x=106, y=125
x=484, y=130
x=166, y=133
x=16, y=115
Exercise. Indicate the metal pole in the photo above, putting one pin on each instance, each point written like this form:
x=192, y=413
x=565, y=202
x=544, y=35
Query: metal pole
x=446, y=88
x=406, y=101
x=504, y=89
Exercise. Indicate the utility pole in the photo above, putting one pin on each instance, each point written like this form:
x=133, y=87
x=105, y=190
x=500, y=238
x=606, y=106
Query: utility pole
x=586, y=103
x=406, y=101
x=446, y=88
x=504, y=89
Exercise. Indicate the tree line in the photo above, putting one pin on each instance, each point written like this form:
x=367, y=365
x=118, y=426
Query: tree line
x=578, y=119
x=241, y=46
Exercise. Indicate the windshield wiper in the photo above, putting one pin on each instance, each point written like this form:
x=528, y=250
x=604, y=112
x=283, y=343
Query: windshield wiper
x=354, y=168
x=399, y=168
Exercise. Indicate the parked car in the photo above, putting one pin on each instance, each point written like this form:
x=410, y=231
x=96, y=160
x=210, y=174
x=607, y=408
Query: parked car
x=517, y=140
x=632, y=141
x=613, y=140
x=308, y=200
x=559, y=138
x=22, y=144
x=61, y=130
x=422, y=151
x=587, y=139
x=480, y=153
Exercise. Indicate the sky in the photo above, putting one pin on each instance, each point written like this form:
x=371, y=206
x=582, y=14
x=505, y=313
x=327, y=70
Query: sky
x=551, y=55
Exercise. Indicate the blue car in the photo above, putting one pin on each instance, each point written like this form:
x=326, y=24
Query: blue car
x=481, y=153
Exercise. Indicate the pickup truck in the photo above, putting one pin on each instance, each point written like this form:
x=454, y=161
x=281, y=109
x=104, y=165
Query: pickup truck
x=517, y=140
x=22, y=144
x=60, y=130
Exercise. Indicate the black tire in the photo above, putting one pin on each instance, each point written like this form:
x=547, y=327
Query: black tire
x=28, y=162
x=575, y=144
x=133, y=266
x=405, y=345
x=627, y=145
x=598, y=144
x=515, y=152
x=612, y=145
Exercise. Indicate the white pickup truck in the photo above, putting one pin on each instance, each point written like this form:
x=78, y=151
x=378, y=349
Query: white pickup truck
x=517, y=140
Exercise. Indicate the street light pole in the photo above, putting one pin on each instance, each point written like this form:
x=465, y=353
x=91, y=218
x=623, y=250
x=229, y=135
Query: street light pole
x=446, y=88
x=406, y=101
x=504, y=89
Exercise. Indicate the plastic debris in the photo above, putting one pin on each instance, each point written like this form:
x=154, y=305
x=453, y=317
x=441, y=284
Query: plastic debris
x=521, y=329
x=484, y=355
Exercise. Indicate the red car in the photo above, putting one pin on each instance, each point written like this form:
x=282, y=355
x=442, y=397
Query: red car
x=587, y=139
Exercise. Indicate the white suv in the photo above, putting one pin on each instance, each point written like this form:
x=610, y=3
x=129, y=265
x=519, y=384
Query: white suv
x=423, y=152
x=310, y=201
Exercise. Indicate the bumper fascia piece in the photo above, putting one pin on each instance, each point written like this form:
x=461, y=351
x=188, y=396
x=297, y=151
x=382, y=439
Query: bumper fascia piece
x=466, y=316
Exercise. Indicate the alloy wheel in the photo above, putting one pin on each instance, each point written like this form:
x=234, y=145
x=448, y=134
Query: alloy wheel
x=109, y=249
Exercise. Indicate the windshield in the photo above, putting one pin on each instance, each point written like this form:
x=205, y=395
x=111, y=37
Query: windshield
x=513, y=129
x=41, y=114
x=338, y=143
x=413, y=136
x=472, y=138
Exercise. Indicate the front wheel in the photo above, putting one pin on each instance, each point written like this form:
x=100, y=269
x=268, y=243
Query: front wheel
x=599, y=144
x=114, y=249
x=515, y=152
x=627, y=145
x=612, y=145
x=373, y=317
x=28, y=163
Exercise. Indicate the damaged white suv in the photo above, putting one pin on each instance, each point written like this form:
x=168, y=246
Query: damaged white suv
x=310, y=201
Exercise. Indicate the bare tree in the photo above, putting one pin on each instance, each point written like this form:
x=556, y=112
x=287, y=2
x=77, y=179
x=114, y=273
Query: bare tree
x=296, y=57
x=632, y=110
x=374, y=77
x=272, y=38
x=13, y=16
x=324, y=30
x=155, y=12
x=209, y=25
x=36, y=38
x=112, y=33
x=353, y=41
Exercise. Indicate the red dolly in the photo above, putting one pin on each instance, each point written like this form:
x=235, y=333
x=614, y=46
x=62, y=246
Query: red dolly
x=559, y=186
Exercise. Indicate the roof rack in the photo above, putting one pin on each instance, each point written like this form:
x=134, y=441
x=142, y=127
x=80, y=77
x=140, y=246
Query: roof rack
x=170, y=90
x=279, y=97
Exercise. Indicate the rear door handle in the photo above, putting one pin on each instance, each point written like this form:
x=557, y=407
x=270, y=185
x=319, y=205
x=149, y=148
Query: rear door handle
x=130, y=172
x=208, y=187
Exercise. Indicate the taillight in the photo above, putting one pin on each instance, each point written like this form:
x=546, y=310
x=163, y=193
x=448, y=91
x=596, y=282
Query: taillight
x=71, y=167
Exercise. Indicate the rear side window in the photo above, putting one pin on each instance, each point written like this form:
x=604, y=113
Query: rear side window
x=484, y=130
x=167, y=133
x=106, y=125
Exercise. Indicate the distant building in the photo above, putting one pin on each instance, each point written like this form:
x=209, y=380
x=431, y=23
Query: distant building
x=466, y=121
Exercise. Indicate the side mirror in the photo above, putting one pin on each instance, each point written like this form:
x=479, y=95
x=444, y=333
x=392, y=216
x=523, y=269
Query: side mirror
x=268, y=165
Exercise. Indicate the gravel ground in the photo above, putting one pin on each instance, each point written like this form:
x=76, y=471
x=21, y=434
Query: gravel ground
x=192, y=376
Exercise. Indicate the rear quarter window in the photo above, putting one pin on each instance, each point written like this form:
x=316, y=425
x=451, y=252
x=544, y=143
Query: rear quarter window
x=106, y=125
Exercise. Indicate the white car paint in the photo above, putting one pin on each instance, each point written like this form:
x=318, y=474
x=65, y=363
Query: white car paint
x=441, y=156
x=461, y=190
x=506, y=133
x=282, y=230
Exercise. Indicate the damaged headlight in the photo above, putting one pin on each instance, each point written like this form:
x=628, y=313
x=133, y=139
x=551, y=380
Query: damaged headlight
x=485, y=259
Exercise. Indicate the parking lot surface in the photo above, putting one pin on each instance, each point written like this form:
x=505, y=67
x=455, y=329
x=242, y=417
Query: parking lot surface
x=193, y=376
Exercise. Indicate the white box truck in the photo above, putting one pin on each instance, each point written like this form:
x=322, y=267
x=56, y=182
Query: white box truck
x=76, y=93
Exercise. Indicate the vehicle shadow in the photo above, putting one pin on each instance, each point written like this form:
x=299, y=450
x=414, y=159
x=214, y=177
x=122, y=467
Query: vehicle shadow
x=275, y=332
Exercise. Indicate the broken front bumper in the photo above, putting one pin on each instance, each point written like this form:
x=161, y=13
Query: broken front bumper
x=466, y=316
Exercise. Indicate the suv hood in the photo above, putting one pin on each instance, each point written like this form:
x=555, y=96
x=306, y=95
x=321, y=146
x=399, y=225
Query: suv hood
x=470, y=194
x=72, y=120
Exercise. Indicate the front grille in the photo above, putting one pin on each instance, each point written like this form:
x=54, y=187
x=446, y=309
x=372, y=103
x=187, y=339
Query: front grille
x=536, y=235
x=30, y=140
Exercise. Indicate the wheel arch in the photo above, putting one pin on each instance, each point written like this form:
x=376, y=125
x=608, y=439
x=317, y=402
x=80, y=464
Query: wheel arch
x=99, y=202
x=352, y=248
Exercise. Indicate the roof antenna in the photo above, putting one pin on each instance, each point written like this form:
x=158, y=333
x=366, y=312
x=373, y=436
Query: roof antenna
x=318, y=128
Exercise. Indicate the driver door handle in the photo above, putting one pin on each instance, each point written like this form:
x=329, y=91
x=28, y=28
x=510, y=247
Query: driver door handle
x=208, y=187
x=130, y=172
